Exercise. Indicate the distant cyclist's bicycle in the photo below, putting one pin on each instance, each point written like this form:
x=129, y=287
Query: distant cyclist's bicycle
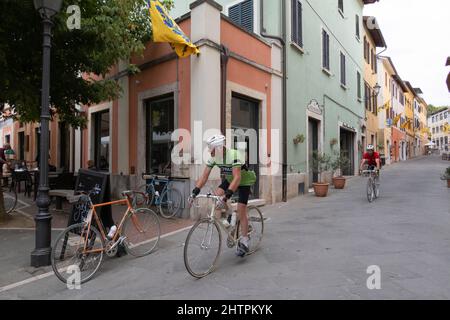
x=373, y=184
x=167, y=200
x=203, y=243
x=80, y=247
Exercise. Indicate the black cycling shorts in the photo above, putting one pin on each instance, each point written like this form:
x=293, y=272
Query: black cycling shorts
x=244, y=191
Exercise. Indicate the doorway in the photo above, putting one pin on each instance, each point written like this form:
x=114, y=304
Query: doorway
x=347, y=139
x=245, y=125
x=313, y=147
x=160, y=124
x=102, y=140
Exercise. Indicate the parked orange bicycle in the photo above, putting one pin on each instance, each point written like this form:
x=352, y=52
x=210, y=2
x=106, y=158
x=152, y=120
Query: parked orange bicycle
x=81, y=246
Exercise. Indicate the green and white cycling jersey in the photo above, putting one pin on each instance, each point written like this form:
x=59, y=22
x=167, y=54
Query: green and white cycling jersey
x=233, y=159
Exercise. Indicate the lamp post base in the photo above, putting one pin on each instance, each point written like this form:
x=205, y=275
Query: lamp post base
x=41, y=257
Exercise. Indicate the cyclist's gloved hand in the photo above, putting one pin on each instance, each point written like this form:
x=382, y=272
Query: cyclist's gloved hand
x=226, y=197
x=195, y=192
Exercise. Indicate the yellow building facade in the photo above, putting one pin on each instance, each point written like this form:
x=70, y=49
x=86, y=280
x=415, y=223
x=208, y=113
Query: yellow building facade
x=386, y=72
x=408, y=121
x=373, y=39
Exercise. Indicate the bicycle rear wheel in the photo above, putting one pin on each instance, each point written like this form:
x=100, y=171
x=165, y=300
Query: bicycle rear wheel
x=68, y=253
x=255, y=228
x=170, y=202
x=9, y=199
x=142, y=232
x=202, y=248
x=370, y=192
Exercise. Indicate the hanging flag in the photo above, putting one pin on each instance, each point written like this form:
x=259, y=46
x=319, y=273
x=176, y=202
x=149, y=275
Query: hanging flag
x=446, y=128
x=385, y=106
x=166, y=30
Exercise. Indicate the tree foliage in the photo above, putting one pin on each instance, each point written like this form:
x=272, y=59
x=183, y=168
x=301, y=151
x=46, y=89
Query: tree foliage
x=111, y=31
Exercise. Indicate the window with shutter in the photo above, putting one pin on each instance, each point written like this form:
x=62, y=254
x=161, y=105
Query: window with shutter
x=357, y=26
x=326, y=50
x=343, y=80
x=358, y=83
x=297, y=32
x=371, y=59
x=366, y=50
x=242, y=14
x=341, y=5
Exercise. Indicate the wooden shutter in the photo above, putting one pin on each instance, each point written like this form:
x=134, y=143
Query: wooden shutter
x=242, y=14
x=294, y=29
x=357, y=25
x=343, y=80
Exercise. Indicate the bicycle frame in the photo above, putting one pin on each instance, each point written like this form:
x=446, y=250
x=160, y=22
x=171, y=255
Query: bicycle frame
x=152, y=184
x=212, y=214
x=93, y=214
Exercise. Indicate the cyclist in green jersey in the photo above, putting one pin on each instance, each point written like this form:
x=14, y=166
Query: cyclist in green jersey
x=237, y=179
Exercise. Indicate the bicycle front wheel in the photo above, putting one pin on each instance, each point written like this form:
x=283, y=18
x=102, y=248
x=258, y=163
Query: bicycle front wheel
x=370, y=192
x=9, y=199
x=142, y=232
x=255, y=228
x=77, y=251
x=202, y=248
x=170, y=203
x=376, y=186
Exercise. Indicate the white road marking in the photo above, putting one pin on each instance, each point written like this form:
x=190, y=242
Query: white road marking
x=23, y=282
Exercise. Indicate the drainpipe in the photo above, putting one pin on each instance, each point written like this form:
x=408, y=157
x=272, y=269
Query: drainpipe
x=224, y=57
x=282, y=41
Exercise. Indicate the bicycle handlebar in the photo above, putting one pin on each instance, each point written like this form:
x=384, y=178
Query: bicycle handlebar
x=94, y=191
x=193, y=201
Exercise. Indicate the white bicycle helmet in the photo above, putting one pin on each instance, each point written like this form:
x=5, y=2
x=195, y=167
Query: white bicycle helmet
x=216, y=141
x=370, y=147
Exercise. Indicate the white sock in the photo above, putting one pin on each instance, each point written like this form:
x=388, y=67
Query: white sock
x=245, y=240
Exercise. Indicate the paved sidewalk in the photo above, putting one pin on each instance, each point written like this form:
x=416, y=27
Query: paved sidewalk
x=314, y=248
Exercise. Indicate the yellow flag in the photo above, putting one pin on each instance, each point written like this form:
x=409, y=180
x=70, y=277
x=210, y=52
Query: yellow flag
x=166, y=30
x=446, y=128
x=385, y=106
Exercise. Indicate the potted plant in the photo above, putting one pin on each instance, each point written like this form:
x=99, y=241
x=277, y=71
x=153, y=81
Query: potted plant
x=320, y=165
x=338, y=164
x=300, y=138
x=446, y=176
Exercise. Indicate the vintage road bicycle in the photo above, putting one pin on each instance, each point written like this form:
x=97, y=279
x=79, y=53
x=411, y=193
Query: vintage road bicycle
x=167, y=201
x=203, y=243
x=81, y=247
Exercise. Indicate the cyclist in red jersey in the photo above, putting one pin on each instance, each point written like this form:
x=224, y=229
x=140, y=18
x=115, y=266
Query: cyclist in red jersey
x=371, y=158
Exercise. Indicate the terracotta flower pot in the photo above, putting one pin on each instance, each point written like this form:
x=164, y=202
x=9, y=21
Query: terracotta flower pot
x=321, y=189
x=339, y=182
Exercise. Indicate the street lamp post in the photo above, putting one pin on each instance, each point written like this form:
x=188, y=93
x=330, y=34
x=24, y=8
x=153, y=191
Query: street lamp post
x=41, y=254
